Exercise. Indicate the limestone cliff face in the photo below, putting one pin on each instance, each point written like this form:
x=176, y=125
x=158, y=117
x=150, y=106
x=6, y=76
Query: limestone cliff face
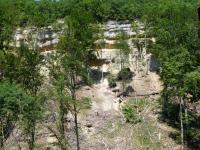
x=139, y=61
x=42, y=38
x=142, y=63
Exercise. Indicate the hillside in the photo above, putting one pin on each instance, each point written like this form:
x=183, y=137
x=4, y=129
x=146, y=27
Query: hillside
x=99, y=75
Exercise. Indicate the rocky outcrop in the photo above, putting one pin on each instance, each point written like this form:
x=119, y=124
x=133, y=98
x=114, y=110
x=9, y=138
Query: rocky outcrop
x=146, y=81
x=138, y=60
x=112, y=29
x=43, y=38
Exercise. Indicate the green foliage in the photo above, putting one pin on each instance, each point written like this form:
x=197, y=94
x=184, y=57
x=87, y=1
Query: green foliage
x=11, y=98
x=111, y=81
x=130, y=114
x=192, y=84
x=32, y=114
x=124, y=51
x=147, y=135
x=130, y=111
x=8, y=19
x=177, y=48
x=197, y=134
x=133, y=108
x=22, y=66
x=16, y=105
x=125, y=74
x=70, y=71
x=84, y=103
x=122, y=43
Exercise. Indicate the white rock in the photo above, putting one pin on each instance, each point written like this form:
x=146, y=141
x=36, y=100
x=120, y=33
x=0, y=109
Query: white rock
x=55, y=41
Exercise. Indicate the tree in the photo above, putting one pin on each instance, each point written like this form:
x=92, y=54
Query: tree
x=23, y=67
x=31, y=114
x=191, y=84
x=12, y=101
x=124, y=52
x=62, y=100
x=124, y=49
x=176, y=47
x=73, y=50
x=31, y=79
x=8, y=19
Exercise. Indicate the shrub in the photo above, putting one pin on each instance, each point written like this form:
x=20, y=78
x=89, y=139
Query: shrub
x=130, y=113
x=125, y=74
x=132, y=108
x=112, y=81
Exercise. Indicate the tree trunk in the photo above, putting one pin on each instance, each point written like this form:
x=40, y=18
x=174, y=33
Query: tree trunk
x=123, y=86
x=181, y=120
x=121, y=60
x=61, y=126
x=186, y=119
x=32, y=141
x=2, y=136
x=76, y=121
x=32, y=137
x=77, y=132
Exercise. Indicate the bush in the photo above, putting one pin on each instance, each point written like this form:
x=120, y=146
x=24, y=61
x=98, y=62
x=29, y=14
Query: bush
x=111, y=81
x=131, y=109
x=130, y=113
x=125, y=74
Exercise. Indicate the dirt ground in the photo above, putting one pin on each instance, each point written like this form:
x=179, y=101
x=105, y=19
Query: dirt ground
x=103, y=127
x=147, y=85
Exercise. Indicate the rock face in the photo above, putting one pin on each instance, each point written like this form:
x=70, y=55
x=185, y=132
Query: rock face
x=138, y=60
x=43, y=38
x=112, y=28
x=141, y=63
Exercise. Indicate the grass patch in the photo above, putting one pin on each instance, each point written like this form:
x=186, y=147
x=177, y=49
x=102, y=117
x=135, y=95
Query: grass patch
x=133, y=108
x=147, y=136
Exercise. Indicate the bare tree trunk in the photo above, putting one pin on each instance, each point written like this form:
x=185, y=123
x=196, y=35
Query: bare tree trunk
x=62, y=127
x=76, y=120
x=77, y=131
x=32, y=139
x=186, y=119
x=121, y=60
x=2, y=136
x=181, y=119
x=137, y=63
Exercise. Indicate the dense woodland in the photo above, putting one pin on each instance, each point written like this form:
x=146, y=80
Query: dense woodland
x=173, y=23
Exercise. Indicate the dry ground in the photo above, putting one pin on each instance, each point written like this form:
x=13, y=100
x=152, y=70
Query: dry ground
x=103, y=127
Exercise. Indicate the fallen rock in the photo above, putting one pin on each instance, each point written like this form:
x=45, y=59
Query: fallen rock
x=123, y=94
x=51, y=140
x=87, y=88
x=116, y=91
x=88, y=124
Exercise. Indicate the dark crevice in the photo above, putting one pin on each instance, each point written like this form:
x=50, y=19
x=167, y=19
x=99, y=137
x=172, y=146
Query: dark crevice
x=198, y=13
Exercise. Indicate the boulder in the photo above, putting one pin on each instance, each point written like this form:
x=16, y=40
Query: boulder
x=88, y=124
x=115, y=90
x=123, y=94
